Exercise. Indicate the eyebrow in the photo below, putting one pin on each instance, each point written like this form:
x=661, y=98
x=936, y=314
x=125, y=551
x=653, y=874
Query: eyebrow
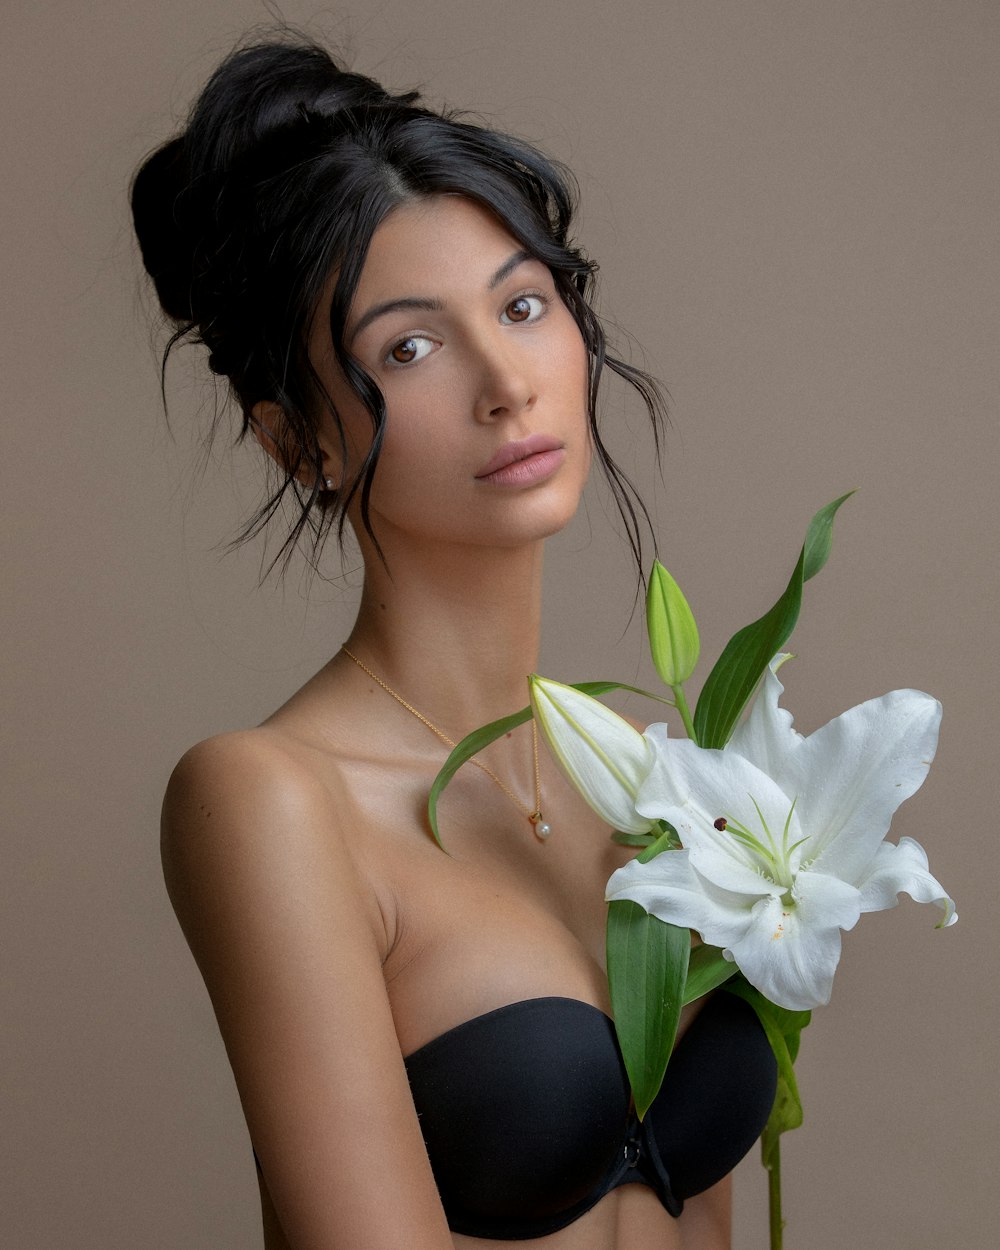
x=507, y=268
x=425, y=304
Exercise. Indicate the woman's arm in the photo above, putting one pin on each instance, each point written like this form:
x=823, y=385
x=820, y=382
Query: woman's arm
x=287, y=937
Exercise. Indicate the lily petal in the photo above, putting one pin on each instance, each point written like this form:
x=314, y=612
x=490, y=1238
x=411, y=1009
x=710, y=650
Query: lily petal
x=899, y=870
x=791, y=953
x=766, y=738
x=599, y=751
x=668, y=887
x=871, y=758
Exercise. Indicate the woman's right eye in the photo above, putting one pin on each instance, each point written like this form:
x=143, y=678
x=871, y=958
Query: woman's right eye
x=406, y=351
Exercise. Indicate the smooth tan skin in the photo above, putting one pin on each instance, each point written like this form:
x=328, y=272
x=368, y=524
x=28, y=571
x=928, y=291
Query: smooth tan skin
x=334, y=937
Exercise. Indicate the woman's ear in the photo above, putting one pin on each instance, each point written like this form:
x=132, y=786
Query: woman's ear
x=270, y=429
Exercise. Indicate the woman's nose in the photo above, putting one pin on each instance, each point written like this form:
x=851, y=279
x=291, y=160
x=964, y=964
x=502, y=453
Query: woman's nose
x=506, y=381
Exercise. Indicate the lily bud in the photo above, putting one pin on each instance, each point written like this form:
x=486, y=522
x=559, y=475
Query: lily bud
x=673, y=634
x=600, y=753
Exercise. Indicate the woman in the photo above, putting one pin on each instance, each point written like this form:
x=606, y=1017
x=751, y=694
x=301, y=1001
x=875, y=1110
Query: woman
x=393, y=299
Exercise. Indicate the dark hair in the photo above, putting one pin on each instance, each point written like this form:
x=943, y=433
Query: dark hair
x=287, y=167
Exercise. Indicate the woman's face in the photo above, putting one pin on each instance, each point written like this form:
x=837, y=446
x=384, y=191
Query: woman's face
x=484, y=374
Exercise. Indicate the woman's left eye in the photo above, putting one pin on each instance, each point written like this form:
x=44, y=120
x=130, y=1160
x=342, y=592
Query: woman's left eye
x=524, y=308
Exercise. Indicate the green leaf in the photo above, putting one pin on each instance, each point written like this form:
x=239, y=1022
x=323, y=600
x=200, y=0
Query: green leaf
x=747, y=654
x=664, y=842
x=647, y=967
x=784, y=1032
x=463, y=751
x=673, y=842
x=474, y=742
x=819, y=538
x=650, y=843
x=671, y=628
x=632, y=839
x=707, y=970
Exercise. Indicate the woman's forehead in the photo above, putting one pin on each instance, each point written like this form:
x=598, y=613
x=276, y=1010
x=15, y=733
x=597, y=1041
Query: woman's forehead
x=443, y=241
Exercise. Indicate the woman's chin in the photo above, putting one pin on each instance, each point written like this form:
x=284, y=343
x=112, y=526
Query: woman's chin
x=522, y=522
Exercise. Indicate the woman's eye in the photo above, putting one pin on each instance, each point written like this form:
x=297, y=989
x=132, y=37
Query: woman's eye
x=409, y=350
x=523, y=308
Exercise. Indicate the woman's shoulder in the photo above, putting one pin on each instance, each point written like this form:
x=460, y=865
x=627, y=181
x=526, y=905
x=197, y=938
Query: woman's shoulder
x=245, y=772
x=248, y=797
x=247, y=820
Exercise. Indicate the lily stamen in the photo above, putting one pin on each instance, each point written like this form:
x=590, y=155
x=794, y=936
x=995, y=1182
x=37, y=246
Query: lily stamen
x=788, y=821
x=775, y=864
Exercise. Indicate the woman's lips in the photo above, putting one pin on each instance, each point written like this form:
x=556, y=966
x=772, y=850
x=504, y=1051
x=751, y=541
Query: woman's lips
x=523, y=462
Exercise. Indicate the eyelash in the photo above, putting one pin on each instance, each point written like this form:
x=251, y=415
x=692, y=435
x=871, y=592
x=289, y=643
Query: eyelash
x=544, y=299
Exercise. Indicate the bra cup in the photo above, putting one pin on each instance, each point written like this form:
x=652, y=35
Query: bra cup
x=716, y=1096
x=523, y=1111
x=526, y=1113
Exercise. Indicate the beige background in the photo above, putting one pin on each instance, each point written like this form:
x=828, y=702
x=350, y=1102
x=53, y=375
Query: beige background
x=793, y=206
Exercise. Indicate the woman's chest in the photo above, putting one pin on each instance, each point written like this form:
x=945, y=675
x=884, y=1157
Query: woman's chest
x=498, y=917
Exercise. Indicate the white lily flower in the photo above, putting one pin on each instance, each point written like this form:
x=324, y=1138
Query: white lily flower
x=783, y=836
x=601, y=754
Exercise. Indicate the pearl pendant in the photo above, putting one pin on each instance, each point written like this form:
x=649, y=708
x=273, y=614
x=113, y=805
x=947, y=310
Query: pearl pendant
x=542, y=829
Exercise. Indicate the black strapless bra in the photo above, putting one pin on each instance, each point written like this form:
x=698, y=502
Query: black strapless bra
x=526, y=1113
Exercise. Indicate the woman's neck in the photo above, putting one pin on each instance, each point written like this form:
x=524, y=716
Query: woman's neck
x=456, y=628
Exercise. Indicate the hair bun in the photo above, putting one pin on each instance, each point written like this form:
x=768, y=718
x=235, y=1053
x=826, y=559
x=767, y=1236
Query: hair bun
x=157, y=193
x=183, y=191
x=263, y=90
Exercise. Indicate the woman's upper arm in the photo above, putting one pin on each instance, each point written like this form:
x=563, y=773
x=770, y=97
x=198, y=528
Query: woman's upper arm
x=282, y=929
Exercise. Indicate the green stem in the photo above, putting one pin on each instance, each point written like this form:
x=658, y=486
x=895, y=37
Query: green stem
x=777, y=1224
x=685, y=712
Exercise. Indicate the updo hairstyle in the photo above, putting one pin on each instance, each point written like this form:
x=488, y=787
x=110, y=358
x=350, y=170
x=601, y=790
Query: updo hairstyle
x=286, y=169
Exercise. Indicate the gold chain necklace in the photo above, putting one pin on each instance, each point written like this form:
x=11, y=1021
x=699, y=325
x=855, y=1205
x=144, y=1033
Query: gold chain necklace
x=541, y=827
